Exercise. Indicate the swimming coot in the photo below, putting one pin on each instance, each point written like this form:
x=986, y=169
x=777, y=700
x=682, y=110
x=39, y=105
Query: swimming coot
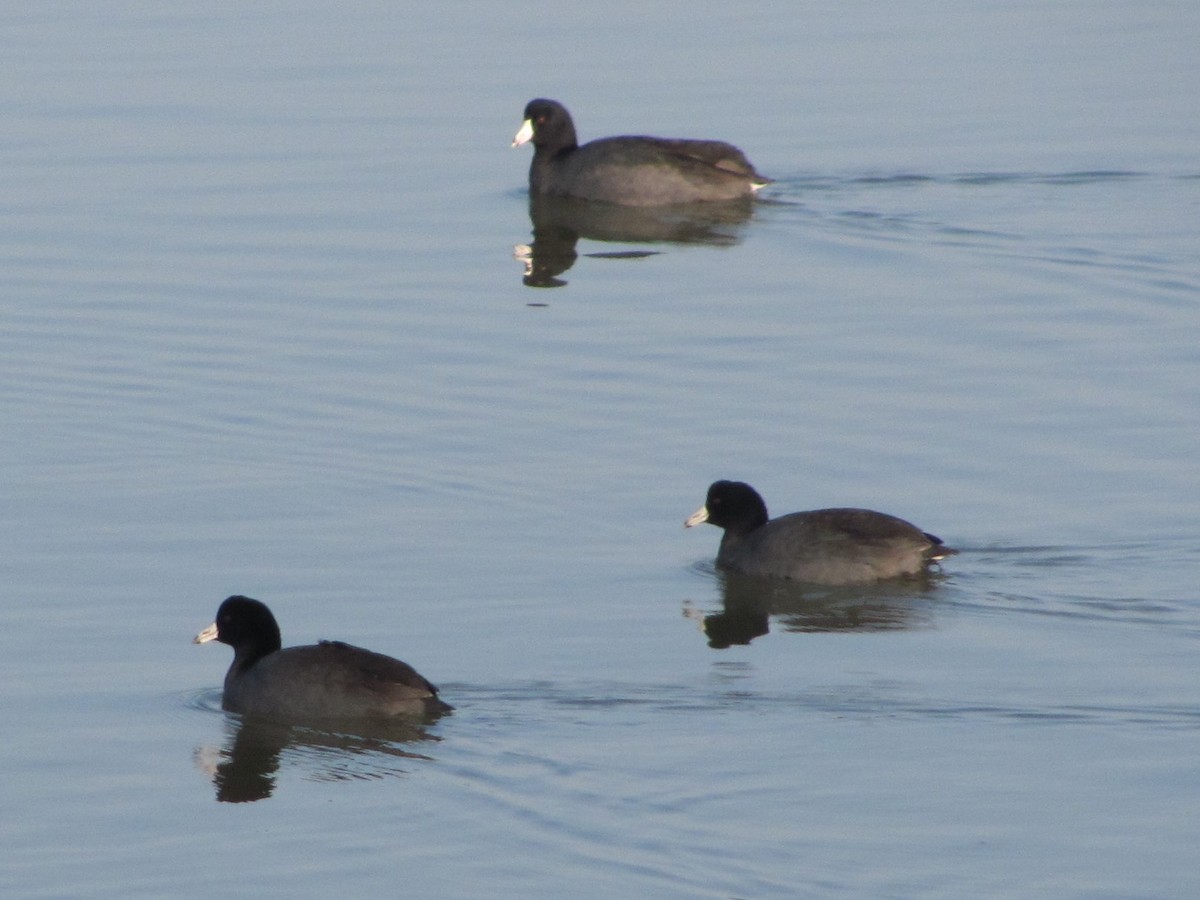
x=823, y=546
x=319, y=681
x=631, y=170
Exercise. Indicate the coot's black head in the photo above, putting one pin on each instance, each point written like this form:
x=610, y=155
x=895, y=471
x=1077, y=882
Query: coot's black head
x=547, y=124
x=246, y=625
x=732, y=505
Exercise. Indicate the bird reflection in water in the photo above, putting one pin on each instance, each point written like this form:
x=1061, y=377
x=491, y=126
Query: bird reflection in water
x=559, y=223
x=245, y=769
x=750, y=602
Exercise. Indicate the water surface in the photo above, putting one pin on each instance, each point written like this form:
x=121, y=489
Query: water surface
x=264, y=332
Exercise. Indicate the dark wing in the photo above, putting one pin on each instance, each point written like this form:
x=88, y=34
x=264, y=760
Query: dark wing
x=717, y=154
x=382, y=673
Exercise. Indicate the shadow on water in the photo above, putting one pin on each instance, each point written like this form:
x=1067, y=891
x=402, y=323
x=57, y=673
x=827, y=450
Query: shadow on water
x=749, y=603
x=1069, y=582
x=560, y=222
x=246, y=767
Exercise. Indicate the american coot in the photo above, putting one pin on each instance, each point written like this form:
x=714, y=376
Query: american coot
x=632, y=171
x=318, y=681
x=824, y=546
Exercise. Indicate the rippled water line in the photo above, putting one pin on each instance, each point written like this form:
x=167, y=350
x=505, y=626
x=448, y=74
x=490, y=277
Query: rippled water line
x=540, y=704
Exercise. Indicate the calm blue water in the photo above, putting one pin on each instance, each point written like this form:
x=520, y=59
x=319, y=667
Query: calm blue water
x=262, y=331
